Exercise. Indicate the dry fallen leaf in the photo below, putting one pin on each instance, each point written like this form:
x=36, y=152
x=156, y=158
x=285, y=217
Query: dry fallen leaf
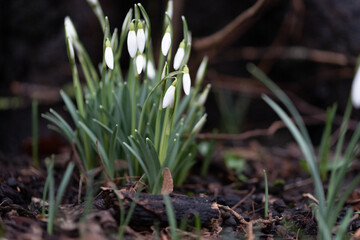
x=168, y=184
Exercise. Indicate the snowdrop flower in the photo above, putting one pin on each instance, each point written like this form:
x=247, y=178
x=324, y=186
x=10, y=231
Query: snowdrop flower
x=69, y=28
x=179, y=55
x=131, y=40
x=169, y=96
x=355, y=90
x=139, y=63
x=140, y=37
x=186, y=81
x=93, y=2
x=150, y=70
x=109, y=56
x=166, y=42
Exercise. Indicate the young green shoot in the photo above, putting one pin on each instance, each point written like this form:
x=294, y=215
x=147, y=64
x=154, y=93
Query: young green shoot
x=266, y=214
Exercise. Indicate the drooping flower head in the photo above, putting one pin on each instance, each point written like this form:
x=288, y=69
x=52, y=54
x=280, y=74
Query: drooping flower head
x=69, y=28
x=131, y=40
x=166, y=41
x=140, y=37
x=139, y=62
x=150, y=71
x=179, y=56
x=169, y=96
x=355, y=90
x=109, y=56
x=186, y=81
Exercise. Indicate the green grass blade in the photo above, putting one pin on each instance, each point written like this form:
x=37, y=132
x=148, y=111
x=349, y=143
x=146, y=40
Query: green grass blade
x=64, y=183
x=282, y=97
x=305, y=149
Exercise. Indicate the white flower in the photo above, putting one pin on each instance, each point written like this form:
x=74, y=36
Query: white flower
x=131, y=41
x=71, y=49
x=179, y=56
x=186, y=81
x=355, y=90
x=140, y=38
x=166, y=42
x=169, y=97
x=139, y=63
x=150, y=70
x=69, y=28
x=93, y=2
x=109, y=58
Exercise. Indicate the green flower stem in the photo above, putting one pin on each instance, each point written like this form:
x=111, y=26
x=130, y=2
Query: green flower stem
x=87, y=75
x=164, y=137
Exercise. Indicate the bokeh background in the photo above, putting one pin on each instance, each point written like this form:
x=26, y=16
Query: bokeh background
x=308, y=47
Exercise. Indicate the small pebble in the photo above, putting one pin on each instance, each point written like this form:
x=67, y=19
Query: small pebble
x=11, y=182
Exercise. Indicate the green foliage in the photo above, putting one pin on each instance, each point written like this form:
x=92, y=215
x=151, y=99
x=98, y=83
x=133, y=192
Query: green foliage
x=328, y=207
x=120, y=117
x=54, y=200
x=234, y=162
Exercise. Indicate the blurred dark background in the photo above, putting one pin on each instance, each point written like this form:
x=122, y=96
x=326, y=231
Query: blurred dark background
x=308, y=47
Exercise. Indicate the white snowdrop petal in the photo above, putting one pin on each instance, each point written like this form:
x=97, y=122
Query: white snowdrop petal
x=169, y=97
x=140, y=39
x=109, y=57
x=69, y=28
x=355, y=90
x=93, y=2
x=178, y=58
x=186, y=83
x=132, y=43
x=165, y=43
x=139, y=63
x=150, y=70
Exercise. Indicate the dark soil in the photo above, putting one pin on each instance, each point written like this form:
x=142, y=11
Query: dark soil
x=227, y=208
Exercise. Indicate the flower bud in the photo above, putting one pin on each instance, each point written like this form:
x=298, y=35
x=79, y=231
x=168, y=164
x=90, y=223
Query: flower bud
x=132, y=41
x=109, y=56
x=169, y=97
x=140, y=37
x=150, y=70
x=139, y=63
x=179, y=56
x=166, y=42
x=186, y=80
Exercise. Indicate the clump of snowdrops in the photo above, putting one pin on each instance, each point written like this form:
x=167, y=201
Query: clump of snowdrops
x=139, y=121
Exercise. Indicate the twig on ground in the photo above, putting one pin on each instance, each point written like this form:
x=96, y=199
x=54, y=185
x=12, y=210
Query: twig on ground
x=244, y=198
